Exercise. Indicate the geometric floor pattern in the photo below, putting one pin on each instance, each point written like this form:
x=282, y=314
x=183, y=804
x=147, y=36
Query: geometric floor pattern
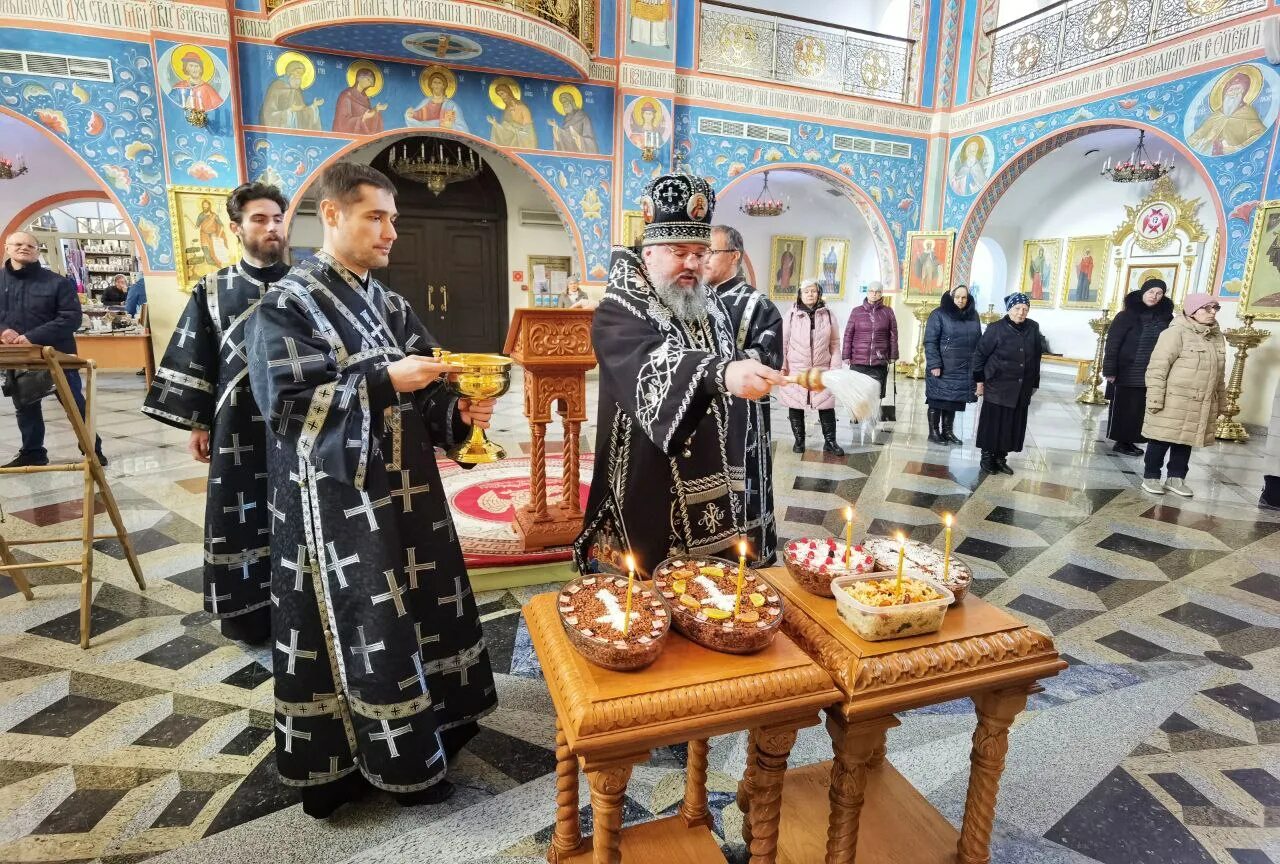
x=1160, y=744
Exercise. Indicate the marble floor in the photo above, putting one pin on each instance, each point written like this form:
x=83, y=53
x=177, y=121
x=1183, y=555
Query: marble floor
x=1160, y=744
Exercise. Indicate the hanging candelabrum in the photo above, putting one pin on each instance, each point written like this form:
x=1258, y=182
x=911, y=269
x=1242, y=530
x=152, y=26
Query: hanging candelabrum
x=1243, y=339
x=915, y=369
x=991, y=316
x=1092, y=394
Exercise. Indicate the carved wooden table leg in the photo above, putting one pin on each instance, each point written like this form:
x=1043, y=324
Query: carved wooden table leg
x=746, y=789
x=568, y=836
x=773, y=746
x=694, y=810
x=996, y=711
x=538, y=466
x=608, y=788
x=570, y=476
x=855, y=746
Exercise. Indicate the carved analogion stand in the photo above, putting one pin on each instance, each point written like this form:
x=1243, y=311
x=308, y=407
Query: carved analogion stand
x=554, y=347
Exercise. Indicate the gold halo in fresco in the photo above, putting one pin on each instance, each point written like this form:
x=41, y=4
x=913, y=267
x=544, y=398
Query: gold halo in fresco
x=640, y=104
x=288, y=58
x=355, y=68
x=1250, y=72
x=493, y=91
x=178, y=58
x=450, y=80
x=574, y=93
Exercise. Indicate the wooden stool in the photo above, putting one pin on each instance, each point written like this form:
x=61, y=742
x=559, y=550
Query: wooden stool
x=981, y=652
x=607, y=722
x=34, y=357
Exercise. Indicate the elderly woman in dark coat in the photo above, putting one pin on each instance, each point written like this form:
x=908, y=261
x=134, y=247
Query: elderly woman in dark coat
x=950, y=337
x=1133, y=335
x=1006, y=365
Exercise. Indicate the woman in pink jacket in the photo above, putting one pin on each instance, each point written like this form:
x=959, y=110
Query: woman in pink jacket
x=810, y=337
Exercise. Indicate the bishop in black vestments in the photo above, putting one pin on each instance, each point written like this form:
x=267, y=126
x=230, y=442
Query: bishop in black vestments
x=202, y=385
x=380, y=662
x=757, y=334
x=668, y=366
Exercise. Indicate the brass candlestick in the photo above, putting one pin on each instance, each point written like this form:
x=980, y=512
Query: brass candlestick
x=478, y=376
x=991, y=316
x=1242, y=339
x=915, y=369
x=1092, y=394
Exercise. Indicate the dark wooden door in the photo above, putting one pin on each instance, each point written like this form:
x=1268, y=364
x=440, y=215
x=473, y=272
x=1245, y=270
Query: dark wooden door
x=449, y=271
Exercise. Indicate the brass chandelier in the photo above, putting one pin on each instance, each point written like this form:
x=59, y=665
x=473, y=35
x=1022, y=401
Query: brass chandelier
x=435, y=167
x=763, y=204
x=1139, y=167
x=11, y=167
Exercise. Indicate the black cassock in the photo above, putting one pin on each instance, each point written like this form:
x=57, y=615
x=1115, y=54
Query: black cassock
x=757, y=329
x=380, y=662
x=669, y=472
x=203, y=383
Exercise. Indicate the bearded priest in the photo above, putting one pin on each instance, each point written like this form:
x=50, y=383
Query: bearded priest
x=670, y=450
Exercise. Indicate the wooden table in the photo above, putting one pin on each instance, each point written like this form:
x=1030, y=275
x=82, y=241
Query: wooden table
x=981, y=652
x=609, y=721
x=130, y=351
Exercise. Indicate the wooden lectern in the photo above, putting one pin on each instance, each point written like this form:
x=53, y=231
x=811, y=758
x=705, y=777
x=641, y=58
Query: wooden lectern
x=554, y=347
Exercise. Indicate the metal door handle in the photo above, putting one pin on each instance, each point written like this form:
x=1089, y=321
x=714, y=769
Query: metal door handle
x=444, y=303
x=431, y=306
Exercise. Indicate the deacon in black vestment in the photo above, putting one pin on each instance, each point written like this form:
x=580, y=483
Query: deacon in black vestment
x=380, y=662
x=669, y=453
x=202, y=385
x=757, y=328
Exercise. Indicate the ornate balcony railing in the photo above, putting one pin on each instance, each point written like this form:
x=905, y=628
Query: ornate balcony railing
x=1074, y=33
x=576, y=17
x=749, y=44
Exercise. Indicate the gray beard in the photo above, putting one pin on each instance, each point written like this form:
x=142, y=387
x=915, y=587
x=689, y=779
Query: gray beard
x=689, y=306
x=1230, y=105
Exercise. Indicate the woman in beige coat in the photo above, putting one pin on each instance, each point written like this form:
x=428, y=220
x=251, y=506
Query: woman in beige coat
x=1185, y=389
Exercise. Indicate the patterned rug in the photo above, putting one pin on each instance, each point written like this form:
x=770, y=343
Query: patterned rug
x=484, y=501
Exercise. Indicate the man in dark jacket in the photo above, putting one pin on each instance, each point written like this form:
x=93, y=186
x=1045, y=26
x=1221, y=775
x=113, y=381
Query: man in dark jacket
x=37, y=307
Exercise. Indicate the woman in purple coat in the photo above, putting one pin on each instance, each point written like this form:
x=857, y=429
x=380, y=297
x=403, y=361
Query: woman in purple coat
x=871, y=337
x=810, y=337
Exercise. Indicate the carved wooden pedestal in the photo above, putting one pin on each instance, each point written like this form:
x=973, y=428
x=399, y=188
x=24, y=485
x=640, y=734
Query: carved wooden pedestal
x=981, y=652
x=607, y=722
x=554, y=347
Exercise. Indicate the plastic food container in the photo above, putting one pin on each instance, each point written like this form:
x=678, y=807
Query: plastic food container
x=813, y=563
x=581, y=609
x=922, y=560
x=694, y=589
x=877, y=623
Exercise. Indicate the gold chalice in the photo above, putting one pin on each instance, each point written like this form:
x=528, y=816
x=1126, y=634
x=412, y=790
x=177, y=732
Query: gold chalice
x=478, y=376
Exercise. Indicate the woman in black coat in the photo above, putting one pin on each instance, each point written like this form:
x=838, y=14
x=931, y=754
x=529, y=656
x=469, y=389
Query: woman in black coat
x=1006, y=365
x=950, y=337
x=1146, y=314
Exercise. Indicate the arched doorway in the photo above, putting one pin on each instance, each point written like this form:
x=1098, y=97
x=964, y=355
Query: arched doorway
x=451, y=254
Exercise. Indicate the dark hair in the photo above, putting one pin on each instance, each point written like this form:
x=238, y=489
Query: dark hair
x=733, y=239
x=247, y=192
x=341, y=182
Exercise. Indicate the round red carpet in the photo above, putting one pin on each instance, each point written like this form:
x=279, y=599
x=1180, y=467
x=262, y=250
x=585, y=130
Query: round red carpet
x=483, y=500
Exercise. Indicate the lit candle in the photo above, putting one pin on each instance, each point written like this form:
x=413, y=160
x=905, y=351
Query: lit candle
x=631, y=578
x=902, y=557
x=742, y=566
x=946, y=558
x=848, y=536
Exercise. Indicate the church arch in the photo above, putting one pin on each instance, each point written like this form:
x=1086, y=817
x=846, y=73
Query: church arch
x=976, y=220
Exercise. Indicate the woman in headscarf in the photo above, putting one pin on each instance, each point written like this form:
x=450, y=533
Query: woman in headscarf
x=950, y=336
x=1130, y=341
x=1185, y=390
x=810, y=337
x=1006, y=367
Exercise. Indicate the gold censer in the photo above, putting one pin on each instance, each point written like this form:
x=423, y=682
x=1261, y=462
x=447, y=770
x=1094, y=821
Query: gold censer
x=477, y=376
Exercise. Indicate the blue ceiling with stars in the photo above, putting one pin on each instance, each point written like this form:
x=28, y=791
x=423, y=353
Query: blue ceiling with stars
x=388, y=41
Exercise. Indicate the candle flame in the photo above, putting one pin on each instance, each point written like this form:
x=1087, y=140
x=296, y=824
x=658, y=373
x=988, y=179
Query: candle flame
x=948, y=520
x=631, y=563
x=848, y=514
x=902, y=538
x=742, y=548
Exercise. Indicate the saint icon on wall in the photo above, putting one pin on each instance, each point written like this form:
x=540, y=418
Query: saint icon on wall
x=1232, y=112
x=515, y=127
x=1085, y=282
x=194, y=78
x=356, y=113
x=576, y=134
x=648, y=24
x=213, y=235
x=285, y=105
x=971, y=165
x=648, y=125
x=437, y=110
x=786, y=265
